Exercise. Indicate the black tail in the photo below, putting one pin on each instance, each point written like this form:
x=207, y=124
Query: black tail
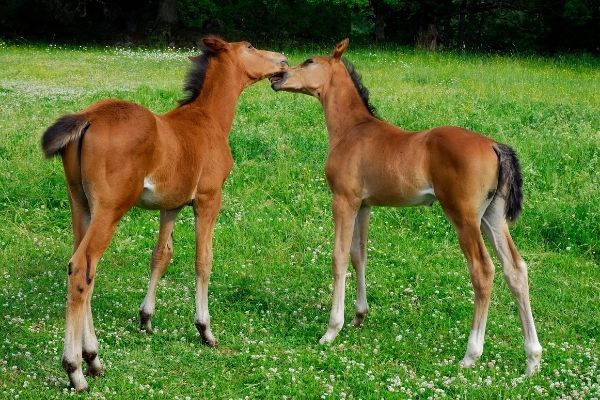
x=65, y=130
x=510, y=181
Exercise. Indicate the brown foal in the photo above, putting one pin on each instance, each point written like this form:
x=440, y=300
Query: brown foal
x=373, y=163
x=117, y=154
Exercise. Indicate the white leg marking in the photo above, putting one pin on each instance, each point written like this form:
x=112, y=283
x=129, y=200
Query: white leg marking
x=344, y=216
x=515, y=272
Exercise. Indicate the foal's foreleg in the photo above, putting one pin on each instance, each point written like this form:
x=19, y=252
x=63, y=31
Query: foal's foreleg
x=481, y=271
x=82, y=273
x=161, y=257
x=515, y=272
x=358, y=256
x=344, y=215
x=206, y=208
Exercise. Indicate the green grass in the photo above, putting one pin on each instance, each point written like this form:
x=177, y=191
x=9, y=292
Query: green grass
x=271, y=287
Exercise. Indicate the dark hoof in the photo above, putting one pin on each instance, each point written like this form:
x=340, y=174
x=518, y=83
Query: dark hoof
x=358, y=320
x=206, y=335
x=145, y=322
x=94, y=371
x=210, y=342
x=94, y=366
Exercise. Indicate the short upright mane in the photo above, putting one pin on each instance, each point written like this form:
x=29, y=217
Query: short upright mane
x=360, y=87
x=195, y=78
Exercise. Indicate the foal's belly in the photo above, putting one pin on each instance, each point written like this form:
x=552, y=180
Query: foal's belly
x=398, y=197
x=161, y=197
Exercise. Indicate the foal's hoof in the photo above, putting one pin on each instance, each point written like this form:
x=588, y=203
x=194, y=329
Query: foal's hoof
x=332, y=332
x=76, y=378
x=533, y=363
x=146, y=322
x=324, y=340
x=206, y=335
x=78, y=381
x=468, y=362
x=358, y=319
x=80, y=387
x=95, y=368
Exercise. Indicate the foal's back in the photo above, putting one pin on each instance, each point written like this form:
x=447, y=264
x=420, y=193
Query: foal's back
x=393, y=167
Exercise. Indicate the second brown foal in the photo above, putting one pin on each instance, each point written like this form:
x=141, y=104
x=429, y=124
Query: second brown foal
x=373, y=163
x=117, y=154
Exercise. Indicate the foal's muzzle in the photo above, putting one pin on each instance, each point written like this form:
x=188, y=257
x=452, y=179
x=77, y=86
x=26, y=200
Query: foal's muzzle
x=277, y=80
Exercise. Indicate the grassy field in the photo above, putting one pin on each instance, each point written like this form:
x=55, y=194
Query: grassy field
x=271, y=285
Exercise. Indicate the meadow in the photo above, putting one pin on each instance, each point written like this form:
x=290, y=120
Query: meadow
x=270, y=290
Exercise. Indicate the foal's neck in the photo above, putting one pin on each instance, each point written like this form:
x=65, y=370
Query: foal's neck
x=214, y=108
x=343, y=107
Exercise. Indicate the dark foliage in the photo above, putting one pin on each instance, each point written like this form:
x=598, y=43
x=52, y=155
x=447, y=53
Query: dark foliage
x=521, y=25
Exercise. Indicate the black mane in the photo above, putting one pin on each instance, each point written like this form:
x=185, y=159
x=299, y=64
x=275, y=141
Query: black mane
x=360, y=87
x=195, y=77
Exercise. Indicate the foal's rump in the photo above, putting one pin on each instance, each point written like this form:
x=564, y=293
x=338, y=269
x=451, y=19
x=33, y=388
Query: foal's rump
x=463, y=168
x=109, y=146
x=107, y=116
x=465, y=165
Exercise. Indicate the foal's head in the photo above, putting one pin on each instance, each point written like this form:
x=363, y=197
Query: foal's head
x=313, y=76
x=252, y=63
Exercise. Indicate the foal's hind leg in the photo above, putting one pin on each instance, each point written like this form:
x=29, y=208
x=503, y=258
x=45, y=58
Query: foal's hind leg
x=82, y=272
x=89, y=340
x=481, y=270
x=358, y=256
x=515, y=272
x=80, y=215
x=161, y=256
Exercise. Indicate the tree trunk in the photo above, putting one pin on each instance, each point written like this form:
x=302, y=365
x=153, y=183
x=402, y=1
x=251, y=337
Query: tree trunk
x=167, y=12
x=379, y=27
x=380, y=14
x=427, y=37
x=462, y=22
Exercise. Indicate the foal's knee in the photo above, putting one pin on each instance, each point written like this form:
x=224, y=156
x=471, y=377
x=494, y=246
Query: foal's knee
x=516, y=274
x=482, y=277
x=162, y=254
x=203, y=269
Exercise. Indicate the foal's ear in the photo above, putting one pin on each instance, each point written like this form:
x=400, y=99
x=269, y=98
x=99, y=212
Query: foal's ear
x=214, y=44
x=339, y=48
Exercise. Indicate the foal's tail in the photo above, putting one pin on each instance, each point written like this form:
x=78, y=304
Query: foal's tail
x=65, y=130
x=510, y=181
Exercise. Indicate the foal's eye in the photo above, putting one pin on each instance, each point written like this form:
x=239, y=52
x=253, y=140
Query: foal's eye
x=307, y=62
x=249, y=46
